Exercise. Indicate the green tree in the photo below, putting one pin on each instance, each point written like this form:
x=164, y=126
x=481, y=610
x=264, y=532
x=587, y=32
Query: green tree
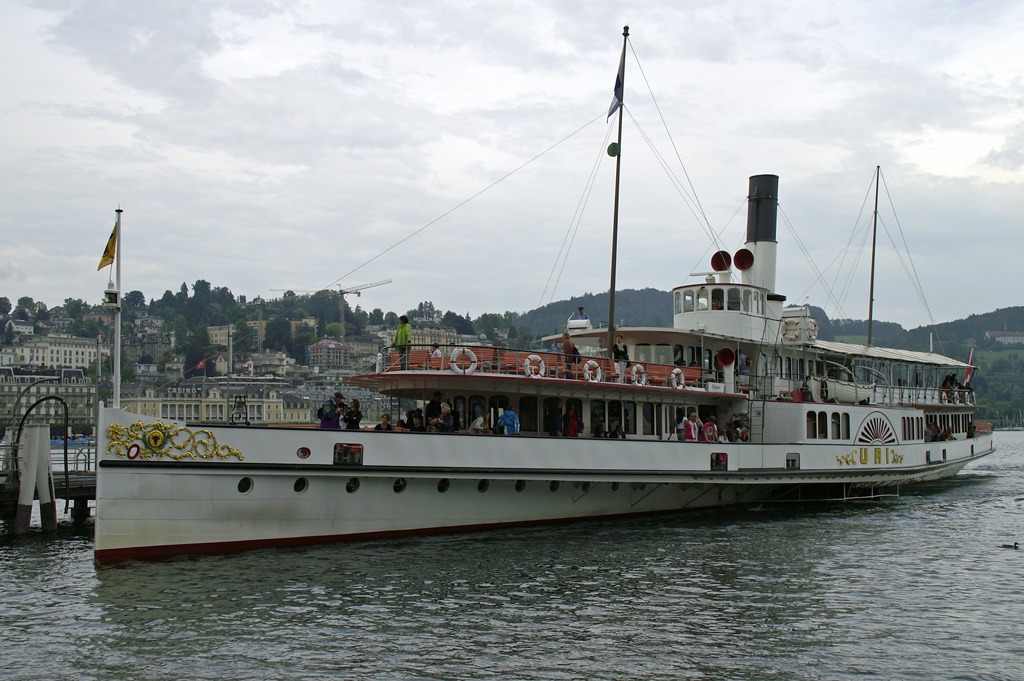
x=133, y=300
x=5, y=305
x=333, y=330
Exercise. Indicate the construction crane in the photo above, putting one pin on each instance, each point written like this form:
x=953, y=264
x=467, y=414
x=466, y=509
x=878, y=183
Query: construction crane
x=342, y=292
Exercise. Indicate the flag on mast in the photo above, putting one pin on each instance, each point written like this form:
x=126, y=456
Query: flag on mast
x=970, y=370
x=108, y=253
x=617, y=97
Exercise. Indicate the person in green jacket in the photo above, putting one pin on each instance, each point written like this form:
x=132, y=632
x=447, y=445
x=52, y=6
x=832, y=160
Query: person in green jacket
x=402, y=340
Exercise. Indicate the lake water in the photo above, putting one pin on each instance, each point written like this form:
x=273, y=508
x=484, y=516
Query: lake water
x=910, y=588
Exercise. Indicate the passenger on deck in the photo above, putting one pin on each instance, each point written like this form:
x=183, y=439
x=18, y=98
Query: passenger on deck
x=616, y=431
x=417, y=425
x=479, y=425
x=680, y=425
x=385, y=422
x=743, y=368
x=569, y=352
x=442, y=423
x=436, y=352
x=553, y=419
x=353, y=416
x=402, y=340
x=433, y=408
x=711, y=430
x=571, y=424
x=621, y=357
x=692, y=428
x=508, y=422
x=599, y=431
x=331, y=411
x=932, y=434
x=580, y=314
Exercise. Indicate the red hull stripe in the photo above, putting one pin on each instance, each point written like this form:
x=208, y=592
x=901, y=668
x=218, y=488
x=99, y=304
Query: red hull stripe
x=164, y=551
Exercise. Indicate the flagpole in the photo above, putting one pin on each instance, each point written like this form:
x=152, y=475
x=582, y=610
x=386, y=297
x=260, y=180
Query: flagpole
x=620, y=93
x=116, y=399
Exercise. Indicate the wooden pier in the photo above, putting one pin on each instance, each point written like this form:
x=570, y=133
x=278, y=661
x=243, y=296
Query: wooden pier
x=36, y=473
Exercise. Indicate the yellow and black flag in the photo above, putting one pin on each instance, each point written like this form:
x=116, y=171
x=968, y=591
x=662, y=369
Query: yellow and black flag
x=108, y=253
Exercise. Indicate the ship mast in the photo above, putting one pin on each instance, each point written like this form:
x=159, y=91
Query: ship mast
x=874, y=235
x=616, y=151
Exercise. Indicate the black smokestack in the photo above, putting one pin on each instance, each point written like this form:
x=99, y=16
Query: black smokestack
x=762, y=207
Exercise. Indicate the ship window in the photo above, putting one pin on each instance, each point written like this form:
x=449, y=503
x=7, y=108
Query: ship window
x=597, y=415
x=648, y=417
x=812, y=425
x=789, y=367
x=734, y=299
x=702, y=299
x=746, y=300
x=615, y=416
x=642, y=352
x=678, y=355
x=846, y=426
x=677, y=299
x=629, y=417
x=477, y=405
x=717, y=299
x=552, y=406
x=528, y=414
x=459, y=407
x=823, y=425
x=663, y=353
x=835, y=425
x=688, y=301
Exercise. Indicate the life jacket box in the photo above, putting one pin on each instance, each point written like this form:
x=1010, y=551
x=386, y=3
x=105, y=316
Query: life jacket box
x=798, y=395
x=715, y=387
x=578, y=325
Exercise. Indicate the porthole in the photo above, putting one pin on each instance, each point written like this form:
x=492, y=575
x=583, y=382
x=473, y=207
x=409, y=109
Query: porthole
x=586, y=487
x=520, y=485
x=615, y=487
x=553, y=486
x=245, y=485
x=443, y=484
x=300, y=486
x=399, y=485
x=483, y=485
x=352, y=485
x=303, y=452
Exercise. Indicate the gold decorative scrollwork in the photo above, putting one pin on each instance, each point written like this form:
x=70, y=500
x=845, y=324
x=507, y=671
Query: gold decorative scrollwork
x=158, y=440
x=849, y=459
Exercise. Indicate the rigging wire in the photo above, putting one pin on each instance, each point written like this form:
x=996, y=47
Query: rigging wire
x=574, y=223
x=670, y=138
x=807, y=255
x=464, y=202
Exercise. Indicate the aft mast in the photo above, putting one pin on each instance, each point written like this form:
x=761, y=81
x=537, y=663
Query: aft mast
x=874, y=234
x=616, y=151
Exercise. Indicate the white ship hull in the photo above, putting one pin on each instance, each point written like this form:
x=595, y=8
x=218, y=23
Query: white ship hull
x=151, y=505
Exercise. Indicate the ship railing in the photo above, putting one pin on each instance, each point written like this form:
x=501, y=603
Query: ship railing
x=540, y=364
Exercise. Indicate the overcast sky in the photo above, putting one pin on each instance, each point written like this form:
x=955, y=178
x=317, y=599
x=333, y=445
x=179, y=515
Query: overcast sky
x=276, y=145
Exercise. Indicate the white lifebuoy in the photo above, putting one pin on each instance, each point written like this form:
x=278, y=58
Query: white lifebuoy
x=677, y=380
x=638, y=374
x=459, y=353
x=530, y=370
x=587, y=375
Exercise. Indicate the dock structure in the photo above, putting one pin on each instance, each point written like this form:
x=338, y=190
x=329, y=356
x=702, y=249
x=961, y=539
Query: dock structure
x=32, y=470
